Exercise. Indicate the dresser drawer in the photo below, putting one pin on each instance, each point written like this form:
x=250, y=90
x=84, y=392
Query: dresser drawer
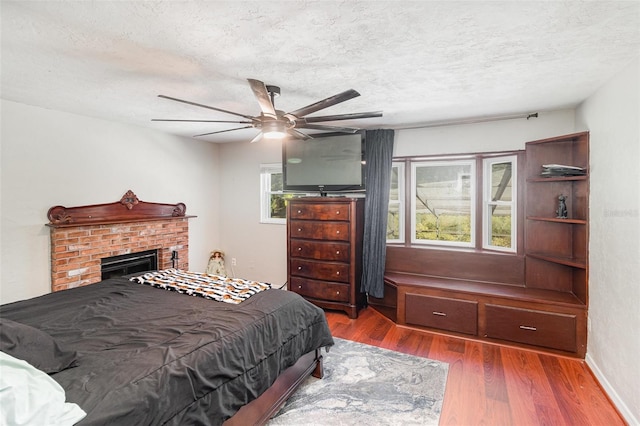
x=547, y=329
x=440, y=312
x=320, y=211
x=330, y=271
x=335, y=292
x=319, y=250
x=337, y=231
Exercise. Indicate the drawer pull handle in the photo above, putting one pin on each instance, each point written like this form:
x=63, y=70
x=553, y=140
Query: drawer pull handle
x=299, y=268
x=337, y=292
x=299, y=287
x=337, y=232
x=338, y=273
x=337, y=251
x=299, y=211
x=528, y=327
x=338, y=212
x=299, y=229
x=440, y=314
x=299, y=248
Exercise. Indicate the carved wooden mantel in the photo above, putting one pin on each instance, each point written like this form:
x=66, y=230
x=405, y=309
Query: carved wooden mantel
x=128, y=209
x=82, y=236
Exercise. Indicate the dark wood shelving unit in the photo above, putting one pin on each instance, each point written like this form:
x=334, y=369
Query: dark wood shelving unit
x=556, y=249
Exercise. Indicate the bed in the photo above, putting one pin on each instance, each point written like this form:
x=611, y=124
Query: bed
x=142, y=355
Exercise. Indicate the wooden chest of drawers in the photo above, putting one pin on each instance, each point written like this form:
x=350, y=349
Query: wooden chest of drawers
x=324, y=246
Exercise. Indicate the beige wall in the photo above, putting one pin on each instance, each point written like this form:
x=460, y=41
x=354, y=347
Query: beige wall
x=612, y=117
x=53, y=158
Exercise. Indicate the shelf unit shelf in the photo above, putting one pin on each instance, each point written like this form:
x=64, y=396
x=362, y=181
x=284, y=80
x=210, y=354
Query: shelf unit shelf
x=557, y=178
x=573, y=262
x=558, y=220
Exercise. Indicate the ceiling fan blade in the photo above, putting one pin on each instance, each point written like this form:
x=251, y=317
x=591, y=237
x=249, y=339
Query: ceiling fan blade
x=257, y=138
x=222, y=131
x=328, y=128
x=298, y=134
x=202, y=121
x=206, y=106
x=261, y=93
x=325, y=103
x=353, y=116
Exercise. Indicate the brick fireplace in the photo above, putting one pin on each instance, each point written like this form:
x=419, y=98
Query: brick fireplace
x=82, y=236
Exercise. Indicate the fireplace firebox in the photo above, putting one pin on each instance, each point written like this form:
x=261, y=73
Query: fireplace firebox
x=117, y=266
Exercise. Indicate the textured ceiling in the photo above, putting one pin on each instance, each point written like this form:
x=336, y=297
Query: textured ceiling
x=419, y=62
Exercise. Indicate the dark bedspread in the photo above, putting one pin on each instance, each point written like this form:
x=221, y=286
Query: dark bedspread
x=148, y=356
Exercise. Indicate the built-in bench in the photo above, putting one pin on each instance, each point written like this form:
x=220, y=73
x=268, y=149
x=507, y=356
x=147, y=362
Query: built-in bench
x=494, y=311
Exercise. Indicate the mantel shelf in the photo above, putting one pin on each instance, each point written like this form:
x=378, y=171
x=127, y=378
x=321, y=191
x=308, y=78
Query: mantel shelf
x=115, y=221
x=128, y=209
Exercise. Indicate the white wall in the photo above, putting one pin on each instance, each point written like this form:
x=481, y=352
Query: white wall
x=505, y=135
x=54, y=158
x=612, y=115
x=260, y=249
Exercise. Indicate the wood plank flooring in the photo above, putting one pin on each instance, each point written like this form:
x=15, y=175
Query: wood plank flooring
x=492, y=384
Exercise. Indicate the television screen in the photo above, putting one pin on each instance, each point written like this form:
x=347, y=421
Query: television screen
x=326, y=163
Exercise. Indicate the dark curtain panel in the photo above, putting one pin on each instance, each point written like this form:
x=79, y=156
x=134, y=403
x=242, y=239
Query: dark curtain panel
x=378, y=156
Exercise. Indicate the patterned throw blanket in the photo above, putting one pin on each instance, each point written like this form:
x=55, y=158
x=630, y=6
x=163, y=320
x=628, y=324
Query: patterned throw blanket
x=214, y=287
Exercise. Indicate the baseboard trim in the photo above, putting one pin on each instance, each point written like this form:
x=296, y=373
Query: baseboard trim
x=622, y=408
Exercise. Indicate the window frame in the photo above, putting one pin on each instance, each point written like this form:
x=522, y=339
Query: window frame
x=440, y=162
x=400, y=202
x=266, y=171
x=487, y=202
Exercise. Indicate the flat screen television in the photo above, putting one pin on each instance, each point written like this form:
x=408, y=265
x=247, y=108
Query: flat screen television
x=328, y=163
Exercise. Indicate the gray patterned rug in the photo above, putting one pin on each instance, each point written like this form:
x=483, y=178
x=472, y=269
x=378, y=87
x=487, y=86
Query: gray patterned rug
x=367, y=385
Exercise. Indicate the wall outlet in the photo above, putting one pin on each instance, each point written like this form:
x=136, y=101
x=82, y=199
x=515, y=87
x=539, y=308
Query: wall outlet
x=233, y=261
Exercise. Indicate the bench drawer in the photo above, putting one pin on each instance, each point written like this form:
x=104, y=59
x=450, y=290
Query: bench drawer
x=548, y=329
x=441, y=312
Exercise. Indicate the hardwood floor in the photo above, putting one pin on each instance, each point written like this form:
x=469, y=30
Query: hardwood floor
x=491, y=384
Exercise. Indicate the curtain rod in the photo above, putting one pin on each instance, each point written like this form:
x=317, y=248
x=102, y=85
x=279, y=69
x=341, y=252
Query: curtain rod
x=468, y=121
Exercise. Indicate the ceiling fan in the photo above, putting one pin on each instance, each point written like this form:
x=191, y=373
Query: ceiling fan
x=274, y=123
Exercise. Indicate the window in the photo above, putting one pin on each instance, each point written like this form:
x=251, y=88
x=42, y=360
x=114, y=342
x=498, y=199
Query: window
x=443, y=202
x=465, y=201
x=273, y=208
x=499, y=220
x=395, y=217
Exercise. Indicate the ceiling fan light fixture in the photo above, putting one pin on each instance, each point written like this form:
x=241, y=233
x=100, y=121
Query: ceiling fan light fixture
x=276, y=124
x=273, y=130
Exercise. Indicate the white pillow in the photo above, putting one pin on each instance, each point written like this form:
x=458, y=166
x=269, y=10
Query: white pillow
x=29, y=396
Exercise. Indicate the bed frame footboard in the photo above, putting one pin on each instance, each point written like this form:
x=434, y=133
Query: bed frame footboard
x=259, y=411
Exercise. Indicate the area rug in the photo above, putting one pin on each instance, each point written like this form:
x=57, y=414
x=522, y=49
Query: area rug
x=367, y=385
